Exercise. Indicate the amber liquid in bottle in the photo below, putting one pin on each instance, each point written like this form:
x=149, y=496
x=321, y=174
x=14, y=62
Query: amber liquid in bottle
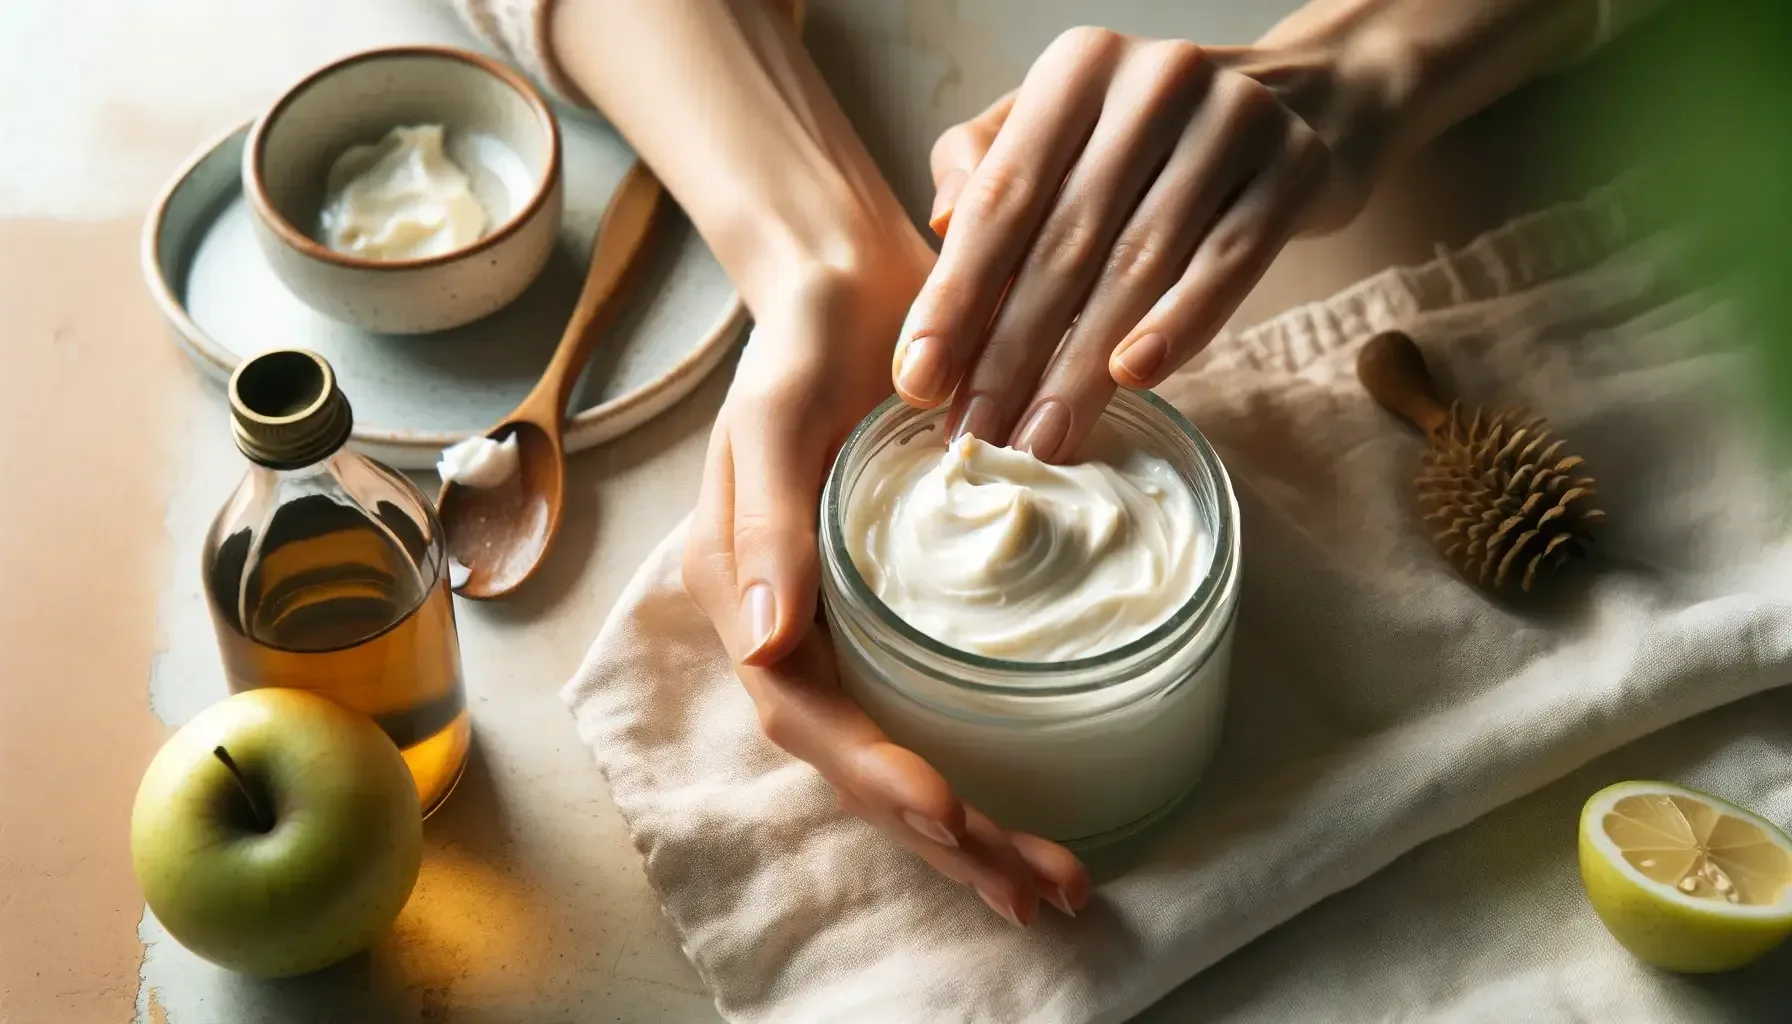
x=335, y=605
x=327, y=571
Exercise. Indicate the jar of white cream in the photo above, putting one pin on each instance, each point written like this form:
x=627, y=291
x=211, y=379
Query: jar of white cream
x=1072, y=710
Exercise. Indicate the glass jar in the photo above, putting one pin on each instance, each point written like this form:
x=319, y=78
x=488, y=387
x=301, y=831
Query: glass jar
x=327, y=571
x=1086, y=751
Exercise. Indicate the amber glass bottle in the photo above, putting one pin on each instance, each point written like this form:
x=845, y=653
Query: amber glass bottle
x=327, y=571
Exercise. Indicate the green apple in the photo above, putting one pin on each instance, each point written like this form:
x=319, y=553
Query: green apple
x=277, y=833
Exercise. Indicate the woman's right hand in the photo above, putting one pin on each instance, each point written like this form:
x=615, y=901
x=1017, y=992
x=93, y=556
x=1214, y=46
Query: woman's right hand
x=817, y=363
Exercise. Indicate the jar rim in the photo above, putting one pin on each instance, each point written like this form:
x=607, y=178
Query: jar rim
x=1209, y=596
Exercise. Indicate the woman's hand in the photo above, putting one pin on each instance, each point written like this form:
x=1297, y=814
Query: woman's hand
x=817, y=363
x=719, y=97
x=1123, y=201
x=1108, y=217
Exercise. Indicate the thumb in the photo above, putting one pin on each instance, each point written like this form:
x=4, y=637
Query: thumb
x=778, y=468
x=956, y=155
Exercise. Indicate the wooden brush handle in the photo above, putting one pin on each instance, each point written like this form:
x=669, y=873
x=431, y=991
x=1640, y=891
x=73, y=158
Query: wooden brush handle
x=1392, y=370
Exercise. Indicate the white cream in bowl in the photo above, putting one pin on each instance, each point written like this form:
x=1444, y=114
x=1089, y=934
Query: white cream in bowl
x=400, y=198
x=435, y=225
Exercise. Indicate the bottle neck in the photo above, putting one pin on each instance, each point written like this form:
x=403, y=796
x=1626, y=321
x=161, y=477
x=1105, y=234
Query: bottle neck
x=286, y=410
x=288, y=481
x=289, y=462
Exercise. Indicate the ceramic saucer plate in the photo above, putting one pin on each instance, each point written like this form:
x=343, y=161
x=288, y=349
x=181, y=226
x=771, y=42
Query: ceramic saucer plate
x=414, y=395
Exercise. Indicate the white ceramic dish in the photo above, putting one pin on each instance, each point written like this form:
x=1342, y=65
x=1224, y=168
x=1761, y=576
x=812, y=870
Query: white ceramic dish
x=414, y=396
x=498, y=130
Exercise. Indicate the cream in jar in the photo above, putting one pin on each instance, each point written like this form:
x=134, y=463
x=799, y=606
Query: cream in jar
x=400, y=198
x=1054, y=639
x=991, y=551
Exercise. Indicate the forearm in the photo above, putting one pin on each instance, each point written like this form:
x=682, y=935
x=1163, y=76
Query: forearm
x=1380, y=78
x=722, y=101
x=1435, y=62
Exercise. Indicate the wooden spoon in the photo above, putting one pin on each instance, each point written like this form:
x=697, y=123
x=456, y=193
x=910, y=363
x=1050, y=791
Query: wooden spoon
x=501, y=533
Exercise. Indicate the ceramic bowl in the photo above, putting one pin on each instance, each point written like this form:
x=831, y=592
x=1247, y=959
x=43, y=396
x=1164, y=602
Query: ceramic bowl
x=497, y=128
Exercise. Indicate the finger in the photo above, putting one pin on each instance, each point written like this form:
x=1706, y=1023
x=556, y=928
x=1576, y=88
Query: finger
x=1152, y=97
x=1062, y=879
x=956, y=839
x=802, y=710
x=1227, y=264
x=1003, y=202
x=1006, y=883
x=1234, y=134
x=957, y=153
x=708, y=567
x=997, y=871
x=987, y=861
x=778, y=466
x=898, y=782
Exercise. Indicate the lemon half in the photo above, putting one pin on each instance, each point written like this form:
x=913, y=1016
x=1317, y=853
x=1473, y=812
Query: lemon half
x=1687, y=882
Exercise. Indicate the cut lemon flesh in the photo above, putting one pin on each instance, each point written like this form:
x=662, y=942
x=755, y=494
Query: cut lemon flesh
x=1684, y=880
x=1685, y=842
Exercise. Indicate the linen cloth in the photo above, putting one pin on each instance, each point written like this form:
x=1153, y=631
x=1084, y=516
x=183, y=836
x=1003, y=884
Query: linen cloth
x=1378, y=700
x=1487, y=925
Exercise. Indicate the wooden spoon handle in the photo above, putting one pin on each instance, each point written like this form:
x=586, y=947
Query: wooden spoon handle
x=620, y=236
x=1392, y=370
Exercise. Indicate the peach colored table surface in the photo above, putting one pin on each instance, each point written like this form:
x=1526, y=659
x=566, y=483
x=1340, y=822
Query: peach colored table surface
x=532, y=906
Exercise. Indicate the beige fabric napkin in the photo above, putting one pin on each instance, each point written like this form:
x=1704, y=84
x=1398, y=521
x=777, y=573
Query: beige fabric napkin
x=1377, y=700
x=1487, y=925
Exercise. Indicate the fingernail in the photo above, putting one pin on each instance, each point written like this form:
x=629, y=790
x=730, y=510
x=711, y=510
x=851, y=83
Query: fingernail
x=903, y=336
x=978, y=419
x=1144, y=358
x=1001, y=908
x=930, y=828
x=925, y=363
x=1057, y=897
x=1044, y=430
x=944, y=200
x=759, y=616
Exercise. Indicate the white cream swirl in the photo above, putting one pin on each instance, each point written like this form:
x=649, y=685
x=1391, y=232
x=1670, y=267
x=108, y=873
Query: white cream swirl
x=993, y=552
x=400, y=198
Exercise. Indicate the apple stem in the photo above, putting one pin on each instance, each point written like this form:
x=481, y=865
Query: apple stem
x=262, y=820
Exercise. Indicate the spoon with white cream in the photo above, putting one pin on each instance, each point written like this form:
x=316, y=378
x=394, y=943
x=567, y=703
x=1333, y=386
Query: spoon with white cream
x=503, y=494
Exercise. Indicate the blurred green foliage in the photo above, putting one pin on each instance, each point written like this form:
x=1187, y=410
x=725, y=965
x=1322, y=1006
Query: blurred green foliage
x=1704, y=95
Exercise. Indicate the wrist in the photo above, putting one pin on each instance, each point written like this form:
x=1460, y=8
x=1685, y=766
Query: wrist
x=814, y=247
x=1353, y=89
x=1362, y=116
x=719, y=97
x=1352, y=73
x=1400, y=72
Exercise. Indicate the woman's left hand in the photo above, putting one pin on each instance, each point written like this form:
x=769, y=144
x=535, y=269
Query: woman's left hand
x=814, y=367
x=1122, y=202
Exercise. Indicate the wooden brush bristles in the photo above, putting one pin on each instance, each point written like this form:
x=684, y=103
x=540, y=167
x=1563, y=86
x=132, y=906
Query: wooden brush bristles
x=1496, y=492
x=1501, y=497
